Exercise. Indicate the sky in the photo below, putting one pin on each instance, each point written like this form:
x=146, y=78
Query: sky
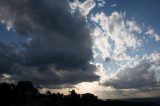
x=106, y=47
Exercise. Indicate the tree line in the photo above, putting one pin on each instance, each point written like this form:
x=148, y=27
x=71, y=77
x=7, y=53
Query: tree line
x=25, y=94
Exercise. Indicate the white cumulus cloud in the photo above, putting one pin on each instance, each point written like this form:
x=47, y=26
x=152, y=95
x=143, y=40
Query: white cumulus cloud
x=114, y=28
x=84, y=7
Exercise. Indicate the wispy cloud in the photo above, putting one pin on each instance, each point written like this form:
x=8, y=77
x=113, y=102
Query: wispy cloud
x=152, y=34
x=101, y=3
x=113, y=5
x=84, y=7
x=133, y=26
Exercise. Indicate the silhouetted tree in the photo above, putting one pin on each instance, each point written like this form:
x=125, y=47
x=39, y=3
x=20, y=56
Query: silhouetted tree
x=25, y=94
x=26, y=88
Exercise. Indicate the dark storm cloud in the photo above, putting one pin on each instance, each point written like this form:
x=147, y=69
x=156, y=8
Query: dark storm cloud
x=50, y=77
x=55, y=38
x=7, y=58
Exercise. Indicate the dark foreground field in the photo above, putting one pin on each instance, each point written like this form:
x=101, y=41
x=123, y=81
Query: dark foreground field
x=24, y=94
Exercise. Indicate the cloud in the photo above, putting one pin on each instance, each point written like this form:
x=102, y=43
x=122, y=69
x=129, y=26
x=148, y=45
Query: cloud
x=113, y=37
x=101, y=3
x=8, y=57
x=84, y=7
x=118, y=32
x=56, y=41
x=139, y=74
x=52, y=78
x=100, y=42
x=6, y=78
x=133, y=27
x=113, y=5
x=152, y=34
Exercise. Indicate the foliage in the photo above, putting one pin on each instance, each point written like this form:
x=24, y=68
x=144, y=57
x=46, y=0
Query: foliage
x=25, y=94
